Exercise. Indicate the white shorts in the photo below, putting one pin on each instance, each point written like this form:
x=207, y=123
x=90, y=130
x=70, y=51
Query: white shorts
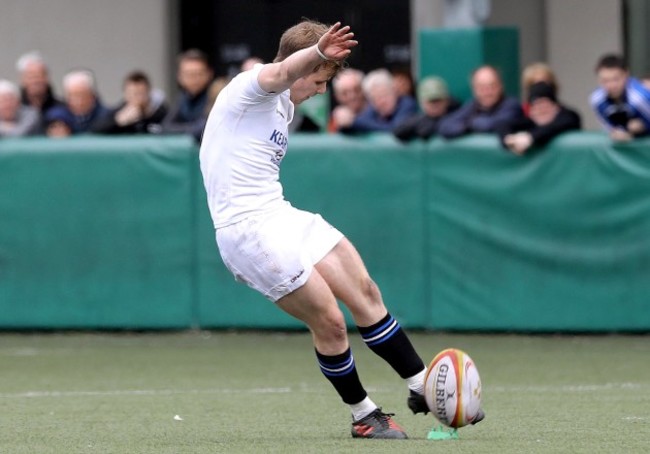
x=275, y=253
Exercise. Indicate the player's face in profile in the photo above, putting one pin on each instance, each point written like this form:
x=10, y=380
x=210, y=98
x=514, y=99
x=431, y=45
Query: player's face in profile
x=310, y=85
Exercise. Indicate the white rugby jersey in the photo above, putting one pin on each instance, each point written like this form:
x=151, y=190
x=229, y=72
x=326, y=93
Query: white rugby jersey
x=243, y=144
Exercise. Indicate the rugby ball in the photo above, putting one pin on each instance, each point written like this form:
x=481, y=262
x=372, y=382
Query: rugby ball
x=452, y=388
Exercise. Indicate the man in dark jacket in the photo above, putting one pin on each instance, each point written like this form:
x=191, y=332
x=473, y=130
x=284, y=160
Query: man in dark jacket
x=194, y=77
x=35, y=87
x=489, y=108
x=141, y=112
x=547, y=119
x=82, y=103
x=435, y=104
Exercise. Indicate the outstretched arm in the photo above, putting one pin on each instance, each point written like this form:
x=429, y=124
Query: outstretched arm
x=335, y=45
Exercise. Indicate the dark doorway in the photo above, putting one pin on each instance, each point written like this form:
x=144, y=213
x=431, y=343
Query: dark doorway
x=231, y=31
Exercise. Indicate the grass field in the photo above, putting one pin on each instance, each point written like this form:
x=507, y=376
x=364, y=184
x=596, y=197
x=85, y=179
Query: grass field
x=263, y=393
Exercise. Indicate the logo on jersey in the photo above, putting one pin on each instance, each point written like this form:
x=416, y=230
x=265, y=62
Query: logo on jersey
x=280, y=140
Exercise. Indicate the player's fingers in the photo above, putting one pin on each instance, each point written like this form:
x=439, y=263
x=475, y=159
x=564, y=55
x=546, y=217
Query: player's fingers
x=343, y=30
x=334, y=27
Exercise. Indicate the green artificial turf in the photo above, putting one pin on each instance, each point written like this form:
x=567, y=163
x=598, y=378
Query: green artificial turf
x=263, y=393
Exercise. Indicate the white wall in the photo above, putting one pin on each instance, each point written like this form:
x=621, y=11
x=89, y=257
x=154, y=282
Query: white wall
x=578, y=33
x=111, y=37
x=528, y=16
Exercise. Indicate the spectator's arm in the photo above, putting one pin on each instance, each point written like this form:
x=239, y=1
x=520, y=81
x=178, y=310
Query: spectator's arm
x=105, y=124
x=457, y=123
x=28, y=124
x=508, y=112
x=406, y=130
x=598, y=101
x=639, y=98
x=565, y=120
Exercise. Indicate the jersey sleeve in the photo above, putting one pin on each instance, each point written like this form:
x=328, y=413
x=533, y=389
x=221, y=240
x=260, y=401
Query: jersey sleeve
x=244, y=92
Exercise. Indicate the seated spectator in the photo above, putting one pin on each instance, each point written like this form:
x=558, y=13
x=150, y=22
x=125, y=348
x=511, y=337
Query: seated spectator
x=194, y=76
x=36, y=89
x=489, y=107
x=82, y=102
x=547, y=119
x=385, y=108
x=348, y=94
x=435, y=103
x=16, y=120
x=533, y=73
x=621, y=103
x=58, y=122
x=142, y=110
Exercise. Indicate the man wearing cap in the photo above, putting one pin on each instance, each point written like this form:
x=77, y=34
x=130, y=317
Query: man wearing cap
x=435, y=103
x=547, y=118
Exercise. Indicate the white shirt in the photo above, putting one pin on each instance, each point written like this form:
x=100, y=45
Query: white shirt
x=243, y=144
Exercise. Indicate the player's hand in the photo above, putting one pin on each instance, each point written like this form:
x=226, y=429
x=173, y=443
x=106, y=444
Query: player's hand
x=337, y=43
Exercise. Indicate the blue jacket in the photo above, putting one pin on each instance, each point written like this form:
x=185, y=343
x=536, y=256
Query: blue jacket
x=472, y=118
x=370, y=120
x=635, y=104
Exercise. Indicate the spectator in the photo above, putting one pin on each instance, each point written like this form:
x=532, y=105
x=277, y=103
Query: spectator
x=58, y=122
x=16, y=120
x=194, y=77
x=385, y=108
x=83, y=106
x=36, y=90
x=533, y=73
x=435, y=103
x=346, y=87
x=213, y=92
x=621, y=103
x=141, y=111
x=547, y=119
x=403, y=80
x=489, y=107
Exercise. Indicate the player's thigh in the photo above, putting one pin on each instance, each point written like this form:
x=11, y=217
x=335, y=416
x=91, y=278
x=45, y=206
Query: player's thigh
x=347, y=277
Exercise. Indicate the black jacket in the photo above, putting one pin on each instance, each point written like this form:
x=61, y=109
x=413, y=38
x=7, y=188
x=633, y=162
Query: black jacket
x=565, y=120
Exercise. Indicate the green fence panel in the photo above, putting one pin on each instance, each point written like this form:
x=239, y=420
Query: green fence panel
x=372, y=189
x=96, y=233
x=115, y=232
x=554, y=241
x=454, y=53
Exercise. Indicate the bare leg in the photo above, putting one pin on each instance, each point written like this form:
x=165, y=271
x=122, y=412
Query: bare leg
x=348, y=279
x=314, y=304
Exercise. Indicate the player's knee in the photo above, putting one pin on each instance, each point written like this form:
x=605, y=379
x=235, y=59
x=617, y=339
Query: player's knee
x=371, y=291
x=331, y=327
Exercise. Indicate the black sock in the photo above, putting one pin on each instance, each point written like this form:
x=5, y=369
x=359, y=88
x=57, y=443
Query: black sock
x=387, y=339
x=341, y=371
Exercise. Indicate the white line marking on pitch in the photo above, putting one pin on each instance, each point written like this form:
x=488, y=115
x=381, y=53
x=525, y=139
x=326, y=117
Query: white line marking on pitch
x=141, y=392
x=304, y=389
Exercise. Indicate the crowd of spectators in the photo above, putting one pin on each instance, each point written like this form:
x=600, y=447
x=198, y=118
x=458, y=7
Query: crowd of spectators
x=377, y=101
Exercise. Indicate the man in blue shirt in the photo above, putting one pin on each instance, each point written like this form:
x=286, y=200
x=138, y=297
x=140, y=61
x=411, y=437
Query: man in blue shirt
x=385, y=109
x=621, y=103
x=487, y=111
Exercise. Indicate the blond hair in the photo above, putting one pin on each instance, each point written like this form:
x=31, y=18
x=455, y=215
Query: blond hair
x=300, y=36
x=537, y=72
